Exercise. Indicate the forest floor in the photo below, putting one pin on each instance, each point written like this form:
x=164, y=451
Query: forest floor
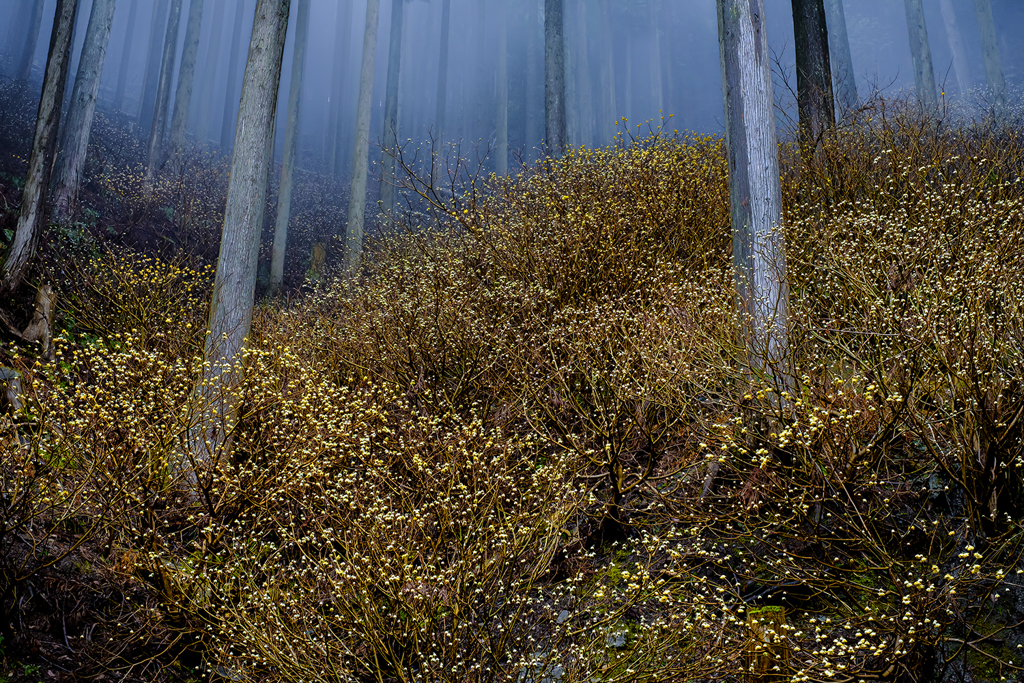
x=525, y=442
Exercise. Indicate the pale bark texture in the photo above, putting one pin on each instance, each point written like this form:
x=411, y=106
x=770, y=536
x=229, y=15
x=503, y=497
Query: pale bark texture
x=155, y=154
x=921, y=52
x=126, y=56
x=186, y=77
x=501, y=146
x=841, y=57
x=754, y=187
x=555, y=124
x=990, y=51
x=210, y=73
x=956, y=46
x=234, y=287
x=332, y=147
x=442, y=72
x=291, y=137
x=388, y=191
x=361, y=155
x=37, y=180
x=230, y=98
x=152, y=78
x=75, y=138
x=28, y=52
x=815, y=101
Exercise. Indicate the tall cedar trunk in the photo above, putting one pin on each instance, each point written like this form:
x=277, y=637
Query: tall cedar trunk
x=37, y=179
x=361, y=154
x=186, y=77
x=332, y=147
x=28, y=52
x=586, y=90
x=555, y=128
x=572, y=101
x=163, y=94
x=75, y=136
x=501, y=151
x=152, y=77
x=534, y=80
x=210, y=73
x=842, y=58
x=291, y=138
x=442, y=72
x=990, y=51
x=754, y=188
x=956, y=46
x=230, y=94
x=234, y=287
x=72, y=65
x=126, y=57
x=608, y=101
x=388, y=191
x=921, y=52
x=815, y=102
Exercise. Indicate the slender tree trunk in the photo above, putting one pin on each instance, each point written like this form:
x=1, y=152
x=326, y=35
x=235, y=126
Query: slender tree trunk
x=628, y=104
x=388, y=191
x=291, y=138
x=754, y=187
x=75, y=138
x=842, y=58
x=234, y=286
x=990, y=51
x=608, y=96
x=534, y=81
x=442, y=72
x=341, y=49
x=37, y=180
x=555, y=128
x=586, y=90
x=572, y=95
x=230, y=94
x=656, y=59
x=28, y=52
x=152, y=78
x=210, y=73
x=76, y=56
x=186, y=77
x=921, y=52
x=357, y=197
x=126, y=57
x=163, y=94
x=501, y=151
x=956, y=46
x=815, y=101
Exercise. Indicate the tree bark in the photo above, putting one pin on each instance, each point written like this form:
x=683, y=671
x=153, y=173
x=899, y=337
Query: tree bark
x=993, y=62
x=388, y=191
x=210, y=73
x=235, y=282
x=921, y=52
x=126, y=55
x=37, y=180
x=341, y=50
x=555, y=126
x=230, y=94
x=152, y=78
x=815, y=101
x=755, y=190
x=956, y=46
x=291, y=137
x=186, y=77
x=361, y=156
x=842, y=58
x=163, y=95
x=28, y=52
x=75, y=138
x=501, y=148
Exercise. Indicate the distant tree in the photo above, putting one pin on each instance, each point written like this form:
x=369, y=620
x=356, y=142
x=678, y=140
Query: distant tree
x=234, y=287
x=956, y=46
x=210, y=66
x=28, y=51
x=151, y=79
x=126, y=56
x=921, y=52
x=990, y=52
x=755, y=190
x=75, y=137
x=501, y=146
x=388, y=189
x=815, y=101
x=555, y=123
x=534, y=76
x=361, y=157
x=37, y=179
x=291, y=136
x=342, y=30
x=186, y=77
x=230, y=94
x=154, y=156
x=841, y=57
x=442, y=72
x=607, y=74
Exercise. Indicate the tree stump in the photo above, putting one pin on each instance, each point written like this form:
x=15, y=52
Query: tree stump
x=767, y=655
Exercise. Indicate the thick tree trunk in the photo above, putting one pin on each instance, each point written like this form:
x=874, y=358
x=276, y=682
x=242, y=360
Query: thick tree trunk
x=956, y=46
x=388, y=191
x=28, y=52
x=234, y=286
x=501, y=148
x=186, y=77
x=815, y=102
x=754, y=188
x=842, y=58
x=75, y=138
x=361, y=156
x=37, y=180
x=291, y=137
x=126, y=57
x=163, y=95
x=332, y=146
x=442, y=72
x=152, y=78
x=230, y=95
x=993, y=62
x=555, y=129
x=210, y=73
x=921, y=52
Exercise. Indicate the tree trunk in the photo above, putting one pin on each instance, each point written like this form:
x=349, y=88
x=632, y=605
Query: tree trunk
x=501, y=151
x=755, y=191
x=442, y=72
x=37, y=180
x=990, y=51
x=230, y=94
x=842, y=58
x=234, y=286
x=388, y=191
x=28, y=52
x=815, y=102
x=210, y=73
x=149, y=84
x=75, y=138
x=361, y=156
x=126, y=55
x=554, y=79
x=341, y=49
x=572, y=70
x=956, y=46
x=163, y=95
x=534, y=81
x=656, y=83
x=586, y=90
x=608, y=97
x=291, y=137
x=924, y=74
x=186, y=76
